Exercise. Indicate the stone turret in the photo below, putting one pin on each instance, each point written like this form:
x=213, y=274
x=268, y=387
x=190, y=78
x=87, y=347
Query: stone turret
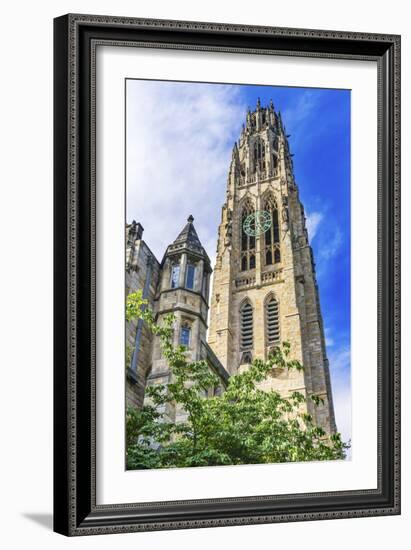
x=183, y=291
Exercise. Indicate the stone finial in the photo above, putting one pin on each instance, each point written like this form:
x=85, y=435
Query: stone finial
x=258, y=103
x=135, y=231
x=190, y=218
x=140, y=230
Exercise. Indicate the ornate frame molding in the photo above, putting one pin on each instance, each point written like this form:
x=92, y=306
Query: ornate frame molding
x=76, y=40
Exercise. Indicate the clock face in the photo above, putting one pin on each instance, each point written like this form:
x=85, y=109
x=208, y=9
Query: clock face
x=257, y=223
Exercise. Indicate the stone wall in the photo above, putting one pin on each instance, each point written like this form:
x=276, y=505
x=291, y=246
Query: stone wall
x=142, y=273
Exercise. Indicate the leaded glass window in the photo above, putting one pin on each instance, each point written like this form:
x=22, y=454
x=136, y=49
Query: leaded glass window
x=175, y=274
x=190, y=276
x=185, y=336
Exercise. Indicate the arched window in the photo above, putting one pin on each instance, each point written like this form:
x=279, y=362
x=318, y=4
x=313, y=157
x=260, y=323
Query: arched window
x=185, y=335
x=272, y=236
x=259, y=155
x=272, y=322
x=247, y=241
x=246, y=327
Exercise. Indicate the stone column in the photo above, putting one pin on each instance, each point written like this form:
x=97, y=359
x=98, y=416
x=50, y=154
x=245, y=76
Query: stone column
x=176, y=333
x=183, y=265
x=196, y=340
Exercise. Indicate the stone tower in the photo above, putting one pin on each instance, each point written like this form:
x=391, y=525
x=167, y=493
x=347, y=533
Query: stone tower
x=264, y=285
x=183, y=290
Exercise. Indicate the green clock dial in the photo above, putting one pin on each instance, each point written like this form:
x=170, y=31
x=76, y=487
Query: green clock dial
x=257, y=223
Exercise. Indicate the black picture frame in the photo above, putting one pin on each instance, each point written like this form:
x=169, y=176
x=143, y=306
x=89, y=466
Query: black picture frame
x=75, y=509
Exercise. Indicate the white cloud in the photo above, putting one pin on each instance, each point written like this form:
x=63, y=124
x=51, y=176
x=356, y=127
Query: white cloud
x=179, y=142
x=342, y=409
x=296, y=117
x=331, y=246
x=328, y=339
x=340, y=360
x=340, y=366
x=327, y=249
x=313, y=220
x=300, y=110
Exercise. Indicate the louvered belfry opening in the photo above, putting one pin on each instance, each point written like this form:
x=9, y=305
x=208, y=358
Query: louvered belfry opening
x=246, y=327
x=273, y=322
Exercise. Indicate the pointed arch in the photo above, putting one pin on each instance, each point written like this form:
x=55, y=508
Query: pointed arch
x=247, y=242
x=246, y=326
x=272, y=252
x=272, y=320
x=259, y=154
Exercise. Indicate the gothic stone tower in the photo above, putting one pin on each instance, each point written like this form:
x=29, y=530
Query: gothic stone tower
x=264, y=286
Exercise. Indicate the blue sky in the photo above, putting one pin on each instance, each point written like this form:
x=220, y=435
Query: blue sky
x=179, y=141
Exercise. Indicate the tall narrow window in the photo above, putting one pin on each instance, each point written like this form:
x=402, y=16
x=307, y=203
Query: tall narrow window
x=175, y=274
x=246, y=322
x=272, y=320
x=259, y=154
x=190, y=276
x=185, y=336
x=247, y=260
x=272, y=236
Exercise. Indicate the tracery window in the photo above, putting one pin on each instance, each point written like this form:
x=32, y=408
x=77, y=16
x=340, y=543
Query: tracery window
x=247, y=241
x=272, y=251
x=246, y=324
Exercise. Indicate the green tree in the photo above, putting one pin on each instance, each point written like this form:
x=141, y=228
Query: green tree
x=243, y=425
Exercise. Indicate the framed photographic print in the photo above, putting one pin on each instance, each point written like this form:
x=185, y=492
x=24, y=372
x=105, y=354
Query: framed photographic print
x=227, y=280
